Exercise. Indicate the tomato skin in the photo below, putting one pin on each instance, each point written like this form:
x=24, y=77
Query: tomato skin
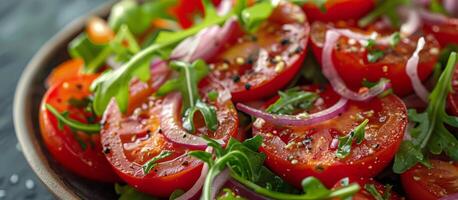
x=314, y=153
x=420, y=182
x=445, y=33
x=363, y=194
x=354, y=68
x=136, y=137
x=339, y=10
x=65, y=71
x=62, y=145
x=187, y=9
x=258, y=66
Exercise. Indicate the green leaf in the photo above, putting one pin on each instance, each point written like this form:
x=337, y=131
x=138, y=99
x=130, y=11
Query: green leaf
x=152, y=163
x=373, y=191
x=208, y=112
x=436, y=6
x=395, y=38
x=314, y=188
x=73, y=124
x=430, y=133
x=213, y=95
x=228, y=194
x=321, y=4
x=175, y=194
x=136, y=16
x=93, y=55
x=374, y=55
x=384, y=7
x=292, y=99
x=252, y=17
x=345, y=142
x=129, y=193
x=202, y=155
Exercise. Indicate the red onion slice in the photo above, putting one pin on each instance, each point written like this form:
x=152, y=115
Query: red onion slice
x=296, y=120
x=432, y=18
x=336, y=81
x=451, y=6
x=172, y=130
x=412, y=72
x=219, y=182
x=205, y=44
x=412, y=24
x=195, y=189
x=244, y=191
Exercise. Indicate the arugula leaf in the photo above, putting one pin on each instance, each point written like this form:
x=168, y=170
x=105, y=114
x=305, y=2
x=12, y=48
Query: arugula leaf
x=73, y=124
x=395, y=38
x=292, y=99
x=253, y=16
x=321, y=4
x=375, y=55
x=345, y=142
x=136, y=16
x=92, y=54
x=177, y=193
x=128, y=193
x=207, y=112
x=387, y=7
x=373, y=191
x=436, y=7
x=152, y=163
x=244, y=162
x=430, y=133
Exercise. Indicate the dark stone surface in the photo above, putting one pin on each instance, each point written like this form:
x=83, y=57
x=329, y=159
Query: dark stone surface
x=25, y=25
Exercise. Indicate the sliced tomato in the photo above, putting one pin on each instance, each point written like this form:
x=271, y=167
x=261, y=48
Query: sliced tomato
x=445, y=33
x=78, y=152
x=430, y=184
x=363, y=194
x=258, y=65
x=298, y=152
x=453, y=97
x=135, y=138
x=65, y=71
x=335, y=10
x=350, y=57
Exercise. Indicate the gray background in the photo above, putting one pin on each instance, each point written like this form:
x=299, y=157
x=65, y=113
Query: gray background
x=25, y=25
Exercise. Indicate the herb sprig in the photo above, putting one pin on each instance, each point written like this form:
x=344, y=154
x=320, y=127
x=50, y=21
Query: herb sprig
x=73, y=124
x=429, y=133
x=345, y=142
x=292, y=99
x=244, y=162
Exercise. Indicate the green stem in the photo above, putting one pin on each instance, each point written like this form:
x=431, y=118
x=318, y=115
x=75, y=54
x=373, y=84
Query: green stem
x=87, y=128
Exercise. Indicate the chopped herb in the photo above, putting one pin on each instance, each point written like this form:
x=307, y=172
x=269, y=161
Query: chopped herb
x=346, y=142
x=374, y=192
x=127, y=192
x=430, y=133
x=374, y=55
x=436, y=7
x=253, y=16
x=395, y=38
x=244, y=161
x=292, y=99
x=321, y=4
x=228, y=194
x=387, y=7
x=213, y=95
x=73, y=124
x=152, y=163
x=177, y=193
x=208, y=112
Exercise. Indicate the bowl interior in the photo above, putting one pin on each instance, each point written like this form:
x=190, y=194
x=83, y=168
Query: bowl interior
x=30, y=90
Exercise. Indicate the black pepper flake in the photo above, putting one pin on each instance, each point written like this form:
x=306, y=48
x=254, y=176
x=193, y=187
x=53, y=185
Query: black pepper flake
x=247, y=86
x=160, y=131
x=184, y=135
x=79, y=86
x=106, y=150
x=254, y=38
x=298, y=50
x=250, y=60
x=285, y=41
x=319, y=168
x=185, y=163
x=236, y=78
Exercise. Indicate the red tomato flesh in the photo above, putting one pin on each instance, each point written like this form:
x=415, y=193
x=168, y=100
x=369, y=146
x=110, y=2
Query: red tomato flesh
x=298, y=152
x=350, y=58
x=441, y=180
x=87, y=159
x=258, y=65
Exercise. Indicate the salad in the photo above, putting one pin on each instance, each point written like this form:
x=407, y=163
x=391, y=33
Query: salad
x=244, y=99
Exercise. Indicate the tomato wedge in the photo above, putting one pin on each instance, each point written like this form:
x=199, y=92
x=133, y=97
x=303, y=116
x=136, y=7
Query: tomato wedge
x=363, y=194
x=350, y=57
x=298, y=152
x=65, y=71
x=78, y=152
x=133, y=139
x=335, y=10
x=446, y=33
x=186, y=11
x=430, y=184
x=258, y=65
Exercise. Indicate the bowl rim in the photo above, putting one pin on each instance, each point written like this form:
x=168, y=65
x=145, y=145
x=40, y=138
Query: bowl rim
x=23, y=124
